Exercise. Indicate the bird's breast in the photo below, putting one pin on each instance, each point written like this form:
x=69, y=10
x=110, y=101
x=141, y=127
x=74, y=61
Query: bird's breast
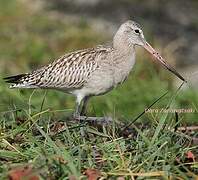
x=122, y=68
x=108, y=76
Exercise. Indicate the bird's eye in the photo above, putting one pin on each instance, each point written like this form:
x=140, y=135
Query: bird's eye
x=137, y=31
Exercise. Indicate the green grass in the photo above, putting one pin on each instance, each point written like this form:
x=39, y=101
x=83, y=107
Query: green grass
x=30, y=39
x=27, y=138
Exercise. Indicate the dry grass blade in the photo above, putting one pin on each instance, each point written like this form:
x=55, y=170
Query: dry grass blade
x=147, y=174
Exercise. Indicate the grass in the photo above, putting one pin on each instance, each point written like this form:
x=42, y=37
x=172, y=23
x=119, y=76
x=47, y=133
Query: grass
x=30, y=120
x=157, y=149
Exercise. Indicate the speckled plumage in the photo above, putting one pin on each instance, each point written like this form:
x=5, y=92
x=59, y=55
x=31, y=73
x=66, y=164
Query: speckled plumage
x=66, y=73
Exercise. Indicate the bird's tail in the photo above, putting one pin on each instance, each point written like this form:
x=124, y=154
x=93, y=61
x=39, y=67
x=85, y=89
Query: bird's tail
x=20, y=81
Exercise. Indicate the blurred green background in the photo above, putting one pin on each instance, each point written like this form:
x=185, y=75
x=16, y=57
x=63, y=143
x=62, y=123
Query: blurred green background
x=32, y=34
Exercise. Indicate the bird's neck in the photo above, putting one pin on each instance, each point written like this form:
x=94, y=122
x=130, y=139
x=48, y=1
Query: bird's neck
x=122, y=45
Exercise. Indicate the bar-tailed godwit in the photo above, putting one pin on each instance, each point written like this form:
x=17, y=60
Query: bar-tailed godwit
x=91, y=72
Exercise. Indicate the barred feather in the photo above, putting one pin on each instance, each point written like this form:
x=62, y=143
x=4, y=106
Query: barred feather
x=68, y=72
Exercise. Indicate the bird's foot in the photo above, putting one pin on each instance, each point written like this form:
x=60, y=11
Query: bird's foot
x=94, y=120
x=98, y=122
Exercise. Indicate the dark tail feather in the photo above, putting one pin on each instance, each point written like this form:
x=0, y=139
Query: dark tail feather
x=14, y=79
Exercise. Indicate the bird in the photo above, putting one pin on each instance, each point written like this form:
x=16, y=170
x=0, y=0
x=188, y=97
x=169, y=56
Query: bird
x=92, y=71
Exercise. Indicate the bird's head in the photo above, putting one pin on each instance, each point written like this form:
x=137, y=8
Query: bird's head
x=130, y=34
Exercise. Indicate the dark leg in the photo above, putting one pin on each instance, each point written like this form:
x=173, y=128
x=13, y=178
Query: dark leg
x=79, y=113
x=84, y=106
x=77, y=110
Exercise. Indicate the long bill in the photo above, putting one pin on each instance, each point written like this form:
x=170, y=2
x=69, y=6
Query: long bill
x=158, y=57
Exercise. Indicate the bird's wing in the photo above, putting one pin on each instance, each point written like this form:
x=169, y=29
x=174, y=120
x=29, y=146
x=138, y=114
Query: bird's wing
x=69, y=71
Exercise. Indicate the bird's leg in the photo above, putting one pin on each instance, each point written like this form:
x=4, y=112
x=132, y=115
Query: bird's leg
x=93, y=120
x=84, y=106
x=77, y=110
x=79, y=113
